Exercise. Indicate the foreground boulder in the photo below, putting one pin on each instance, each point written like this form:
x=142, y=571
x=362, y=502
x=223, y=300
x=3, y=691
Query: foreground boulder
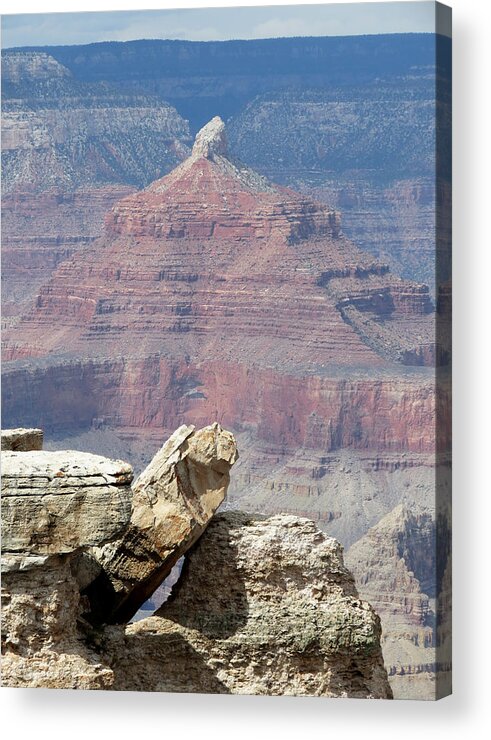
x=173, y=501
x=66, y=516
x=263, y=606
x=54, y=506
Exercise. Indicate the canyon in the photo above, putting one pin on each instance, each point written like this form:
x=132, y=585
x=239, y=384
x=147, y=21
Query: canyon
x=69, y=151
x=215, y=261
x=74, y=120
x=151, y=286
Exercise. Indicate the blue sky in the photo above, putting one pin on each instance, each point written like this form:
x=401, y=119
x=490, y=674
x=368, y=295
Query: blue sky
x=206, y=24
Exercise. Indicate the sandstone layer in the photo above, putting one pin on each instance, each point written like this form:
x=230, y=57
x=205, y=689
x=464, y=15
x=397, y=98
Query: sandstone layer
x=22, y=440
x=56, y=502
x=54, y=506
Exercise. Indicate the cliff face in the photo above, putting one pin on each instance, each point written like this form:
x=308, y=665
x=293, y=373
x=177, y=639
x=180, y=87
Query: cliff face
x=55, y=505
x=58, y=131
x=264, y=606
x=69, y=150
x=270, y=621
x=213, y=294
x=402, y=567
x=314, y=337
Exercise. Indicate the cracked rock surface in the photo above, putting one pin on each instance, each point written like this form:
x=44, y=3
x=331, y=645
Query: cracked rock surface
x=263, y=606
x=173, y=500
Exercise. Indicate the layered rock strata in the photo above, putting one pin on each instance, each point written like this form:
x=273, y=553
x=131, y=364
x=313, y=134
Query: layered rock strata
x=56, y=502
x=54, y=506
x=215, y=240
x=402, y=567
x=69, y=151
x=217, y=294
x=293, y=118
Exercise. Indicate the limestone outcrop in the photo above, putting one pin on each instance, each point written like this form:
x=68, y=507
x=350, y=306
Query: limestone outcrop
x=211, y=140
x=22, y=440
x=42, y=643
x=58, y=502
x=173, y=501
x=263, y=606
x=54, y=506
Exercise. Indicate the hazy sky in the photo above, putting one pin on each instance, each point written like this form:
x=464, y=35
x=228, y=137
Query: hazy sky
x=218, y=23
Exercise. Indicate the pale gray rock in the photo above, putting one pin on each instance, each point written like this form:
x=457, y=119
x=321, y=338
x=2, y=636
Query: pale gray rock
x=211, y=139
x=22, y=440
x=58, y=502
x=173, y=501
x=263, y=606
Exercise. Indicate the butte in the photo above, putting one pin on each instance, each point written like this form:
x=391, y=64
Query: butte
x=215, y=295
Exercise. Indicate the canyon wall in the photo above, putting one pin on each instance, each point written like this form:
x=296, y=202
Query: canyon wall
x=214, y=295
x=402, y=567
x=362, y=109
x=69, y=150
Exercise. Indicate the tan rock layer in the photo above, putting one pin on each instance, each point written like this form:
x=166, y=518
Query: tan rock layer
x=173, y=501
x=41, y=644
x=58, y=502
x=402, y=567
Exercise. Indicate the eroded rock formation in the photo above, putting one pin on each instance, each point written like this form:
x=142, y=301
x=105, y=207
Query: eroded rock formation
x=402, y=567
x=173, y=501
x=215, y=294
x=22, y=439
x=263, y=606
x=57, y=502
x=69, y=151
x=54, y=506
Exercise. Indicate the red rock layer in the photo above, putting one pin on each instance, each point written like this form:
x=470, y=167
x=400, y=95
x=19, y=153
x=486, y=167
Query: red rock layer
x=155, y=393
x=42, y=229
x=211, y=203
x=282, y=327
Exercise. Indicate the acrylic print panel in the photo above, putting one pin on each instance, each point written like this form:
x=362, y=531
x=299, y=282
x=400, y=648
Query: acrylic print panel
x=226, y=260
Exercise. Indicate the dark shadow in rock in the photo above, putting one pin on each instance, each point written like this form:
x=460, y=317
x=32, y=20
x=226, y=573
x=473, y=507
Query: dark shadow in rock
x=210, y=596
